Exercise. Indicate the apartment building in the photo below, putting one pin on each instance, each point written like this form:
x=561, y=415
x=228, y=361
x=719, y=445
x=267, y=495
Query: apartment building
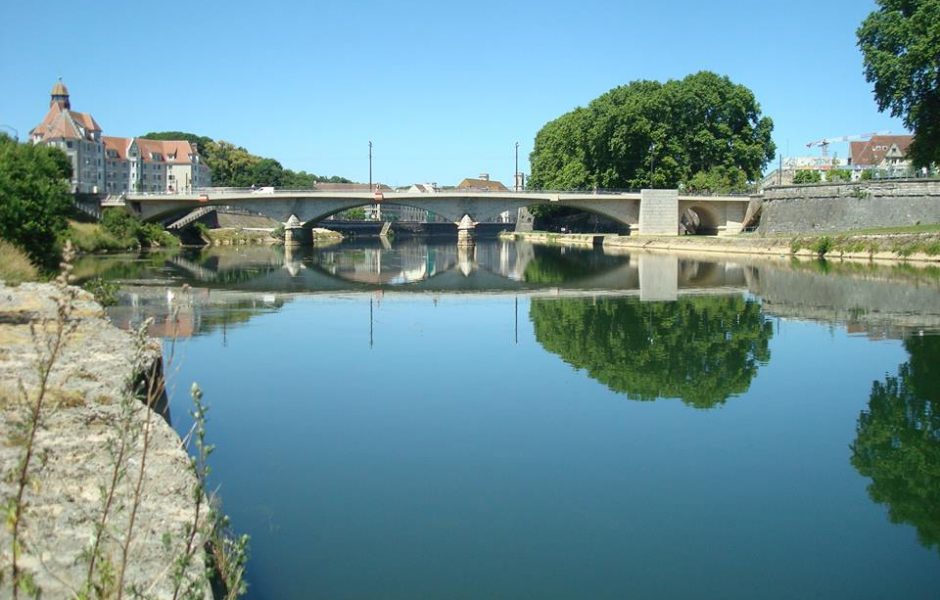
x=113, y=165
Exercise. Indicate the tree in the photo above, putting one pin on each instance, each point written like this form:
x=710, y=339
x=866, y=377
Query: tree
x=700, y=349
x=35, y=199
x=701, y=132
x=897, y=441
x=807, y=176
x=900, y=43
x=234, y=166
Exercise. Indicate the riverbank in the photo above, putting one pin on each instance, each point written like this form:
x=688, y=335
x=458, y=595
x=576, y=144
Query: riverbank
x=897, y=246
x=88, y=414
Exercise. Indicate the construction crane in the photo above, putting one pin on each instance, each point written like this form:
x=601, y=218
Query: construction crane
x=824, y=143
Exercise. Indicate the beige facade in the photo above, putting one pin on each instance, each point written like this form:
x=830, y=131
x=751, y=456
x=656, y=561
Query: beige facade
x=116, y=165
x=78, y=135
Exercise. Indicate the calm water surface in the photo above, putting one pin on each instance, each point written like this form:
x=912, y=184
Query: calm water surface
x=515, y=422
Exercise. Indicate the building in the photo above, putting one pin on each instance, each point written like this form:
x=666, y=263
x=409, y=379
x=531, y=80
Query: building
x=78, y=135
x=162, y=166
x=113, y=165
x=882, y=152
x=483, y=183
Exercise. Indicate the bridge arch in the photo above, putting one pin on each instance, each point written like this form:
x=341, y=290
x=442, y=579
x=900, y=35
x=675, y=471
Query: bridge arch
x=698, y=219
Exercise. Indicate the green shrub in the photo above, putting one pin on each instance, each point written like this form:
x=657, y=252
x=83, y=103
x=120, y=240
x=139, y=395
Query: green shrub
x=822, y=245
x=801, y=177
x=15, y=266
x=104, y=291
x=34, y=199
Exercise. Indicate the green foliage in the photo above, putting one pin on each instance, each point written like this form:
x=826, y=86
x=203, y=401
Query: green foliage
x=822, y=245
x=353, y=214
x=897, y=441
x=131, y=231
x=867, y=175
x=234, y=166
x=900, y=42
x=703, y=132
x=834, y=175
x=15, y=266
x=35, y=199
x=105, y=292
x=801, y=177
x=700, y=349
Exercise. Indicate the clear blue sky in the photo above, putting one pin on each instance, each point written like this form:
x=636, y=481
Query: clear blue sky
x=444, y=90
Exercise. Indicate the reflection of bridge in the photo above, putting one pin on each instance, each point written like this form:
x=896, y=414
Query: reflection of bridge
x=487, y=267
x=648, y=211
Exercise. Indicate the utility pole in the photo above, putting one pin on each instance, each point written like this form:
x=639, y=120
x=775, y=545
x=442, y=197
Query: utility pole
x=515, y=175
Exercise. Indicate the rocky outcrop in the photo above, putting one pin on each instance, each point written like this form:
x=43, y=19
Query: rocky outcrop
x=84, y=414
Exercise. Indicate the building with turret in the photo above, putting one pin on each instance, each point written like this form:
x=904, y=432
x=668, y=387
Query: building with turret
x=113, y=165
x=78, y=135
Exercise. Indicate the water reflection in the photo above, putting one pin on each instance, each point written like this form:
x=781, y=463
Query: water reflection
x=898, y=441
x=700, y=349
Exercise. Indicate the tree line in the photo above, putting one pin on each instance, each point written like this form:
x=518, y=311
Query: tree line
x=234, y=166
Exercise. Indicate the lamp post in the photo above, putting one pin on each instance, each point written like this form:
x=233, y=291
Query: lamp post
x=16, y=134
x=652, y=162
x=370, y=165
x=515, y=174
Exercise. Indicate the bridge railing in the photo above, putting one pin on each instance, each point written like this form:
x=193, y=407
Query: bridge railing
x=262, y=191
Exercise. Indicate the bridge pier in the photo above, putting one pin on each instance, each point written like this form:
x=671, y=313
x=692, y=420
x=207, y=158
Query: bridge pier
x=465, y=232
x=295, y=234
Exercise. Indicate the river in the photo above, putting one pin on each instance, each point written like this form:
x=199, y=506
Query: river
x=413, y=420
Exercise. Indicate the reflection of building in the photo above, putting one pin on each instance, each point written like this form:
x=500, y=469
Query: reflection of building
x=114, y=165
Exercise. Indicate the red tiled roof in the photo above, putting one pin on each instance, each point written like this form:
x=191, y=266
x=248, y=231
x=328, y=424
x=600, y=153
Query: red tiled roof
x=118, y=144
x=481, y=184
x=873, y=151
x=66, y=124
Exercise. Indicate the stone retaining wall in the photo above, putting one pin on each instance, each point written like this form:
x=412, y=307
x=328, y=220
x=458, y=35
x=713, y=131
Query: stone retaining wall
x=850, y=206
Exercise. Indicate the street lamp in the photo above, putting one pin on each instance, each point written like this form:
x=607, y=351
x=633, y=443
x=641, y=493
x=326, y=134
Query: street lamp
x=652, y=162
x=370, y=165
x=515, y=175
x=16, y=134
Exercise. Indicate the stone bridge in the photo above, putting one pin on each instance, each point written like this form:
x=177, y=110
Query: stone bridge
x=648, y=212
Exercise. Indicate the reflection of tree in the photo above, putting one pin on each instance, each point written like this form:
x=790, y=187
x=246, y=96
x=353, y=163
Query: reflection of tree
x=898, y=441
x=550, y=265
x=699, y=349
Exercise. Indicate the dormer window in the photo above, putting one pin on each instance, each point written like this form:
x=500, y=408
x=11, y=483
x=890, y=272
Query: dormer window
x=156, y=156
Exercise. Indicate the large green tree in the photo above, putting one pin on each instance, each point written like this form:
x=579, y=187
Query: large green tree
x=701, y=132
x=900, y=42
x=700, y=349
x=898, y=441
x=35, y=198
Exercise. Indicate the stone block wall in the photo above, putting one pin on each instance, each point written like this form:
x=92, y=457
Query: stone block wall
x=841, y=207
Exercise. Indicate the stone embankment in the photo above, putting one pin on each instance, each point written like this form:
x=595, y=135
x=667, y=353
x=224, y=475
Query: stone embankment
x=74, y=452
x=916, y=247
x=835, y=207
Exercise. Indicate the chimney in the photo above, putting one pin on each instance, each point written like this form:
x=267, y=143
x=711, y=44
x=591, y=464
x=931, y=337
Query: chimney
x=485, y=176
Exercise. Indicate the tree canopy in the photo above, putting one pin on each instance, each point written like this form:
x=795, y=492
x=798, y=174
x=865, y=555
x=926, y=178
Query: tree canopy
x=897, y=441
x=900, y=42
x=702, y=132
x=234, y=166
x=700, y=349
x=35, y=198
